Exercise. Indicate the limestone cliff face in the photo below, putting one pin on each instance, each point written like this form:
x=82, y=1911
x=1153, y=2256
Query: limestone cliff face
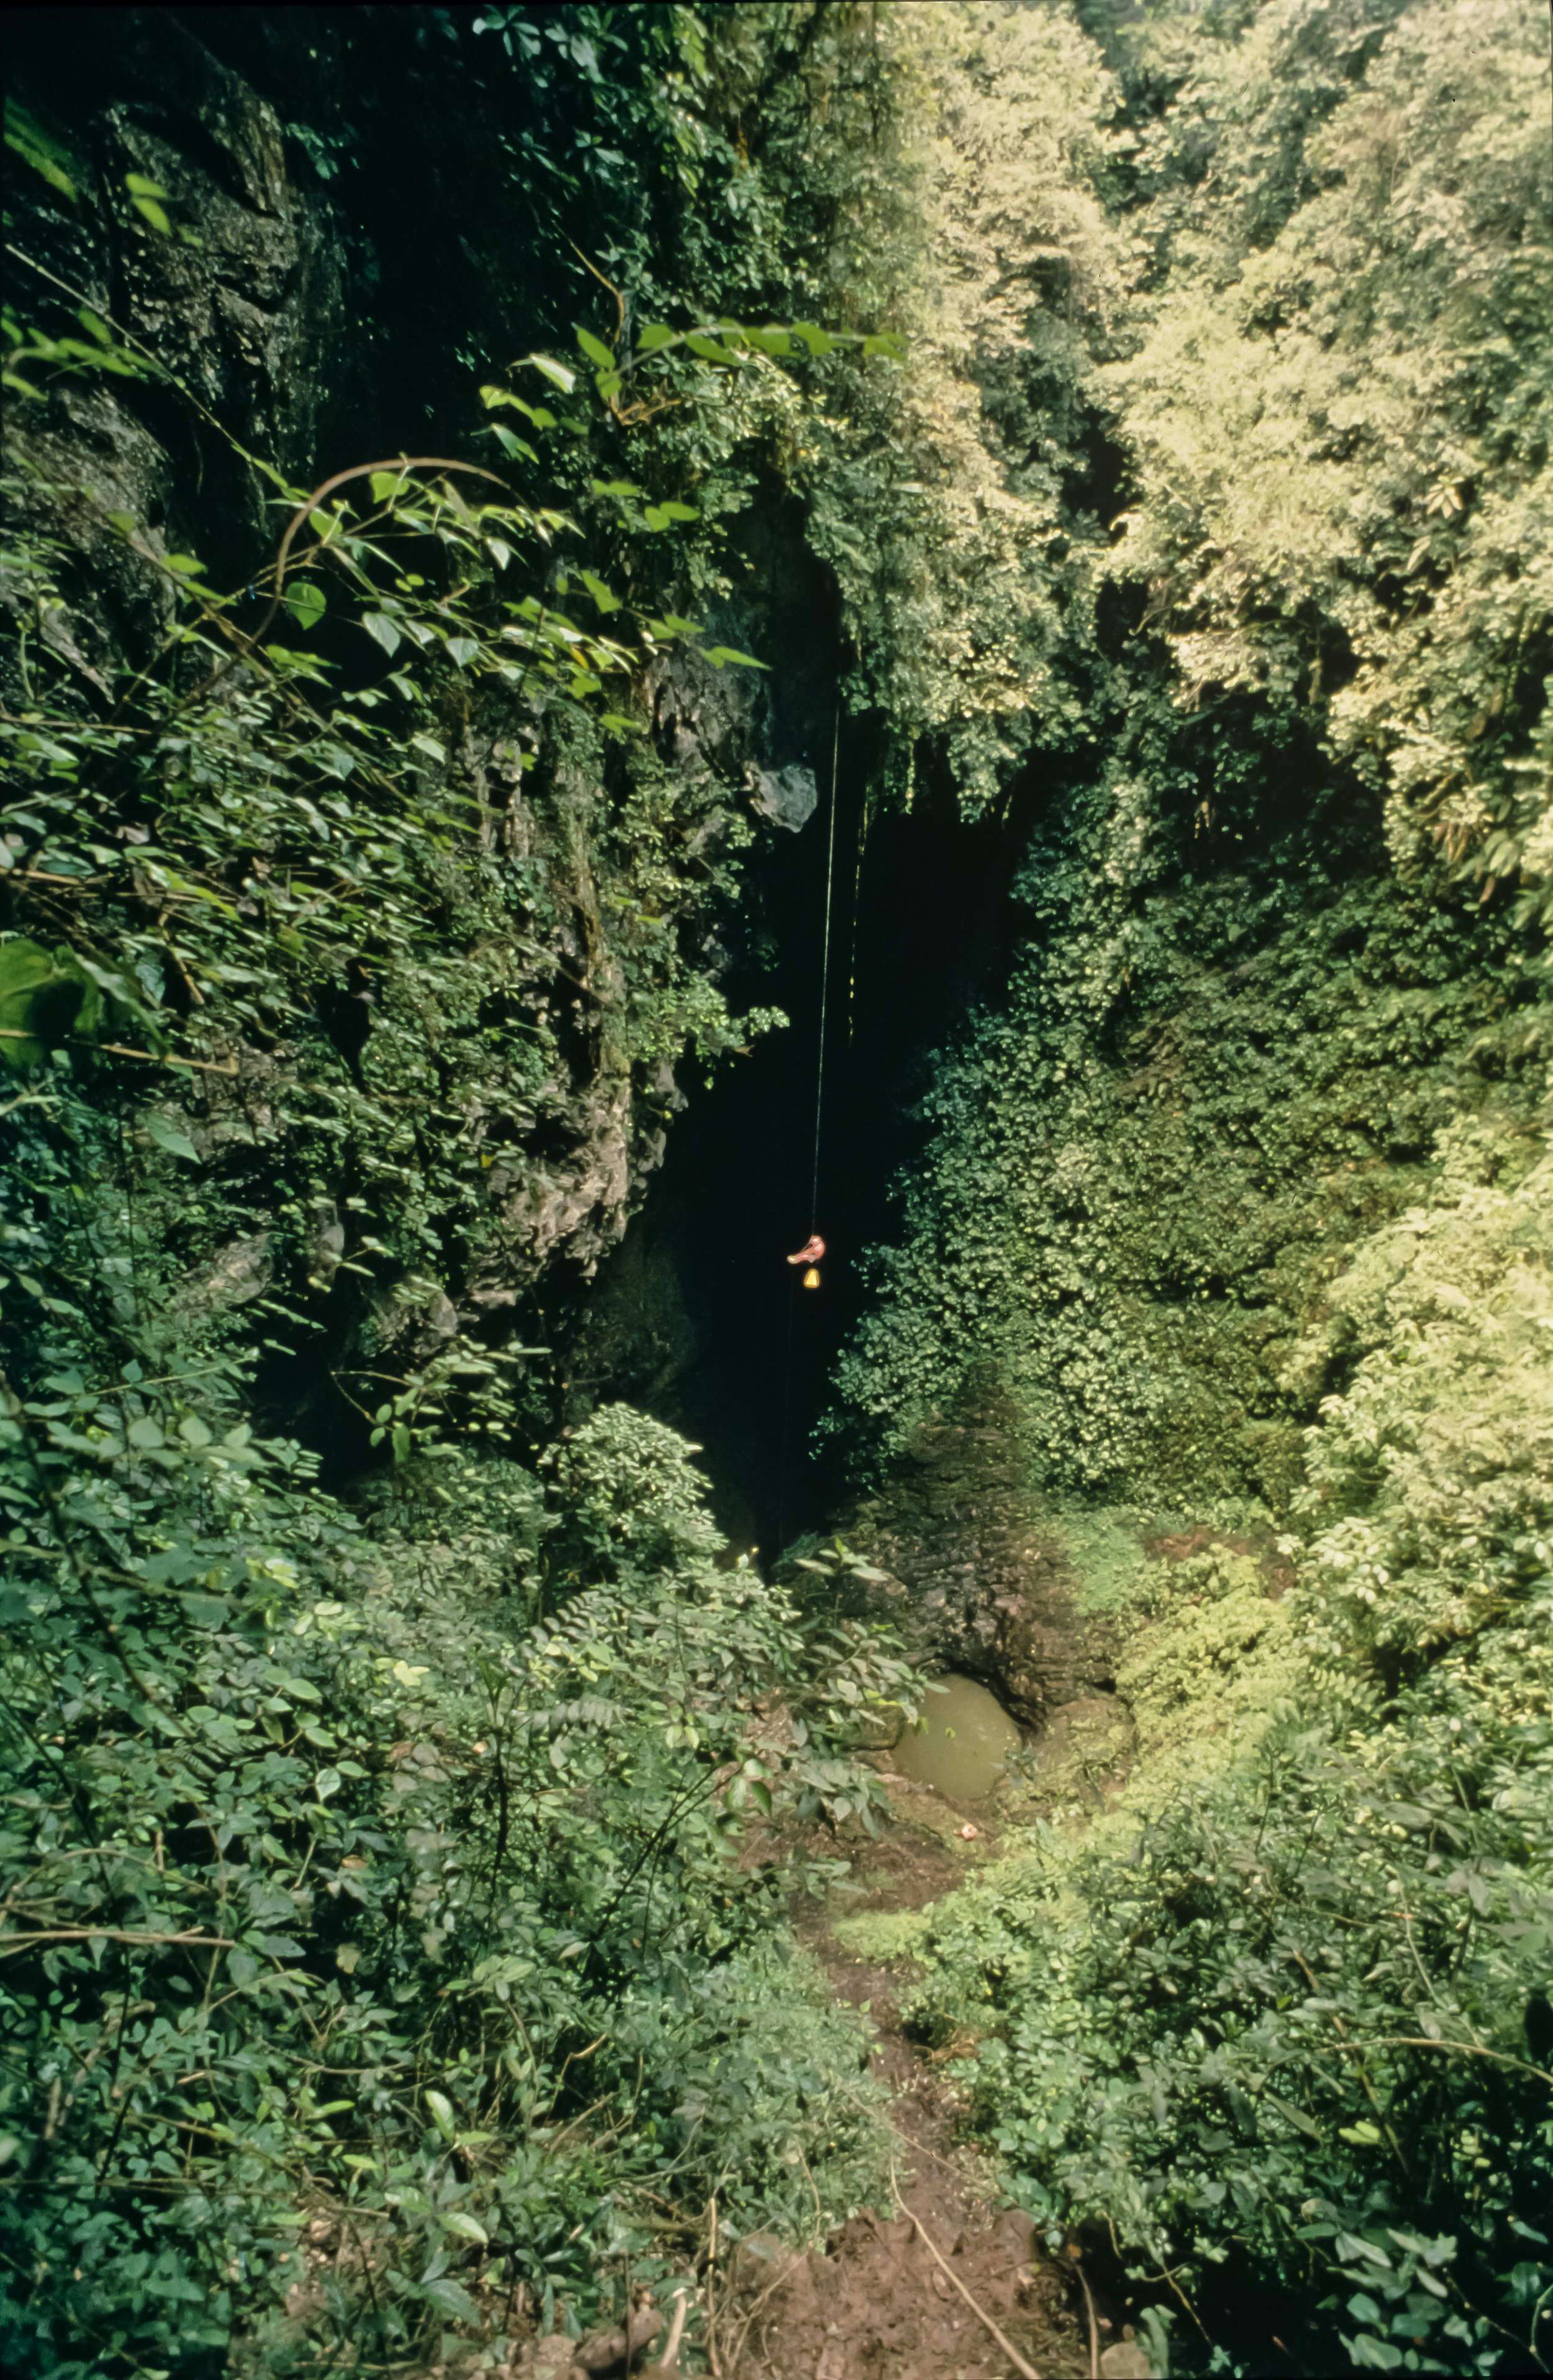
x=252, y=319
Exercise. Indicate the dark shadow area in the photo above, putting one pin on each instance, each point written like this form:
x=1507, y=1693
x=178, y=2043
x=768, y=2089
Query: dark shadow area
x=700, y=1318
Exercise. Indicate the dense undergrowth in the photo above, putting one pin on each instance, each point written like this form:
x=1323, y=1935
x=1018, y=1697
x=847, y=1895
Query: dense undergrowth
x=377, y=1966
x=1279, y=2019
x=1241, y=1199
x=368, y=1879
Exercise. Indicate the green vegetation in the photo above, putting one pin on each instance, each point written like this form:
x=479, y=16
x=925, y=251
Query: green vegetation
x=368, y=1868
x=1269, y=953
x=1170, y=403
x=1240, y=1197
x=1277, y=2017
x=354, y=1869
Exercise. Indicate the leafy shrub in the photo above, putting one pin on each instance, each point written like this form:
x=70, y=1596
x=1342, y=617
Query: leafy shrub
x=1279, y=2021
x=374, y=1942
x=1279, y=2047
x=333, y=1904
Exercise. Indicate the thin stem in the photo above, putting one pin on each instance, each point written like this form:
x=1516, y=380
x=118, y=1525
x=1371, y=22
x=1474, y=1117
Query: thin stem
x=982, y=2316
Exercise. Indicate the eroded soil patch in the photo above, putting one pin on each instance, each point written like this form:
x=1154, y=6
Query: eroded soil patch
x=876, y=2303
x=879, y=2303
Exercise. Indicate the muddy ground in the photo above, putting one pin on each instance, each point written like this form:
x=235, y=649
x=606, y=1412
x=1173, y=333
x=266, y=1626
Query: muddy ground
x=887, y=2297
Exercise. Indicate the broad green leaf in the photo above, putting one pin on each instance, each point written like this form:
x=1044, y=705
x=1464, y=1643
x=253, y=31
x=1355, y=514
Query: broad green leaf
x=451, y=2297
x=154, y=214
x=299, y=1688
x=654, y=336
x=596, y=351
x=601, y=595
x=334, y=760
x=464, y=2227
x=205, y=1611
x=1296, y=2115
x=195, y=1432
x=1372, y=2354
x=307, y=602
x=560, y=375
x=41, y=1001
x=176, y=1562
x=381, y=629
x=718, y=655
x=540, y=415
x=167, y=1136
x=1350, y=2246
x=441, y=2114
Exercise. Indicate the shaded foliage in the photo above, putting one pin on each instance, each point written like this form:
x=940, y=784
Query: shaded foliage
x=354, y=1866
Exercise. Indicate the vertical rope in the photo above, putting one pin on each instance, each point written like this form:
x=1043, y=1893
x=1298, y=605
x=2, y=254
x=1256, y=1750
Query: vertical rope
x=825, y=975
x=818, y=1112
x=786, y=1421
x=856, y=909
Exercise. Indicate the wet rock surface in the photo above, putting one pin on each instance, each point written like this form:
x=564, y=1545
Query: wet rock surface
x=985, y=1586
x=248, y=310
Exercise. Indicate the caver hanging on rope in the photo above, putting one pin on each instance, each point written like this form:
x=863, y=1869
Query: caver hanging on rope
x=809, y=1255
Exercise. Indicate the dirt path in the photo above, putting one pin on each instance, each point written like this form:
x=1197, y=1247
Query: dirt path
x=877, y=2303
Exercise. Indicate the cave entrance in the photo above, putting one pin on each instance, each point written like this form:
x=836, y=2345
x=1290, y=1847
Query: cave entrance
x=698, y=1319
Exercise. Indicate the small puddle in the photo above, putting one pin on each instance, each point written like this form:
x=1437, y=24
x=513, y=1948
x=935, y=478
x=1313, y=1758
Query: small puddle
x=963, y=1745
